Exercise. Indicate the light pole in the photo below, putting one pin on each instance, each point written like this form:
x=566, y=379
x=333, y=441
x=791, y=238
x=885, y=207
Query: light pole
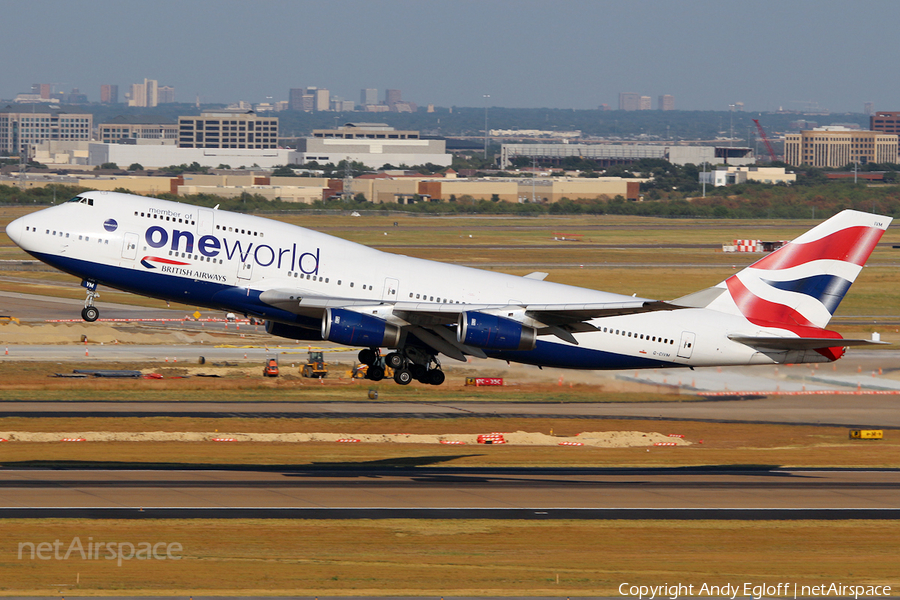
x=486, y=97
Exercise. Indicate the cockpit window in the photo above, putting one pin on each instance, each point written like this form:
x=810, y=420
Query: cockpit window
x=79, y=199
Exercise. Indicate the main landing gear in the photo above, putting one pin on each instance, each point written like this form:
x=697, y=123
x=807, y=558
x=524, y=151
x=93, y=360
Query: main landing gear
x=408, y=363
x=90, y=313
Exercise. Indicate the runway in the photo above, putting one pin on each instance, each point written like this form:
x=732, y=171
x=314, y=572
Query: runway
x=342, y=492
x=880, y=412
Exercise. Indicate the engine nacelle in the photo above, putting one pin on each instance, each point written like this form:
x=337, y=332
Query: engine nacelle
x=494, y=333
x=292, y=332
x=356, y=329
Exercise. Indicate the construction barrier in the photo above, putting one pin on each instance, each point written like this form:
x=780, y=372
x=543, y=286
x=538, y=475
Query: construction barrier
x=73, y=440
x=666, y=444
x=678, y=435
x=348, y=440
x=224, y=439
x=571, y=444
x=491, y=438
x=484, y=381
x=866, y=434
x=453, y=442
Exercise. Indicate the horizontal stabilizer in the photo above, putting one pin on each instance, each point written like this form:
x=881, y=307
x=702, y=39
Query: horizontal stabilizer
x=787, y=343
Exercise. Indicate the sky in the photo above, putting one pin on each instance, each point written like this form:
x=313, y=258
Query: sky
x=569, y=54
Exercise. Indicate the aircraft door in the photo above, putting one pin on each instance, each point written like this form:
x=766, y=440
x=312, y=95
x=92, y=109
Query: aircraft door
x=205, y=221
x=686, y=346
x=391, y=287
x=245, y=270
x=129, y=248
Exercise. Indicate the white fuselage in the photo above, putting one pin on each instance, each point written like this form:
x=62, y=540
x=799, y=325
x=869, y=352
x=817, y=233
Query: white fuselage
x=224, y=260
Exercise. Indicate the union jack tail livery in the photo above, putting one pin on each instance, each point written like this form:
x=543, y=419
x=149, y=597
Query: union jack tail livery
x=799, y=286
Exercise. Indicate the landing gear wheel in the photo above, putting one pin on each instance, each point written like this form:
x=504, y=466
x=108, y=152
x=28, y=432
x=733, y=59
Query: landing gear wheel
x=394, y=360
x=402, y=376
x=375, y=373
x=367, y=356
x=419, y=372
x=435, y=377
x=90, y=314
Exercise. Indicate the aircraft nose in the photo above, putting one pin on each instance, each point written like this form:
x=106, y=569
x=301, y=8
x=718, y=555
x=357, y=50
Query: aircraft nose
x=15, y=229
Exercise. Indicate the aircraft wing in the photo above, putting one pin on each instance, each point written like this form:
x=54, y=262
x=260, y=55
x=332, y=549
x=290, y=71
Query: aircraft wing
x=786, y=343
x=548, y=318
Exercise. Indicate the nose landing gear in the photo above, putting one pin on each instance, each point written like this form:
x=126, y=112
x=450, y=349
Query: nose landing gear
x=90, y=313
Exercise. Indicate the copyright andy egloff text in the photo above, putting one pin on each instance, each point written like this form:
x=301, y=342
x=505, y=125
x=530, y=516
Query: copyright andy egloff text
x=754, y=590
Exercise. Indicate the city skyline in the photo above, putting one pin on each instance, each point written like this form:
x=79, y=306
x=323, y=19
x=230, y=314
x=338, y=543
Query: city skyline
x=523, y=54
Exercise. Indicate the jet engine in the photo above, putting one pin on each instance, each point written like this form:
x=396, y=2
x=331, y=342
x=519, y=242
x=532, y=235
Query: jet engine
x=292, y=332
x=483, y=330
x=356, y=329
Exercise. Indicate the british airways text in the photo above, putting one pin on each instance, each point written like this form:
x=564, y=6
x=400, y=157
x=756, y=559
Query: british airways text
x=211, y=246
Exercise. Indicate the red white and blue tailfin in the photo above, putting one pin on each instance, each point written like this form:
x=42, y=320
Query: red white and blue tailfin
x=799, y=286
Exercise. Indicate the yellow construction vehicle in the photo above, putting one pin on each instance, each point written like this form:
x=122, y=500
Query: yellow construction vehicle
x=361, y=370
x=315, y=366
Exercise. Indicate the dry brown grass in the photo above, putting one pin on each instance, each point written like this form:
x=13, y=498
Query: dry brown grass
x=458, y=558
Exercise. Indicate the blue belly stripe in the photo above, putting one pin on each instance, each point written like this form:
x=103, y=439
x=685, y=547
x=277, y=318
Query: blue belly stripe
x=564, y=356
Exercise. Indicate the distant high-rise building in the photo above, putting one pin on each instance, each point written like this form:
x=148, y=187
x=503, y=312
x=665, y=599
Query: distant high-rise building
x=295, y=98
x=666, y=102
x=323, y=100
x=137, y=95
x=603, y=107
x=868, y=108
x=144, y=94
x=739, y=106
x=152, y=87
x=629, y=101
x=166, y=95
x=76, y=97
x=645, y=103
x=340, y=105
x=392, y=97
x=109, y=94
x=368, y=96
x=41, y=89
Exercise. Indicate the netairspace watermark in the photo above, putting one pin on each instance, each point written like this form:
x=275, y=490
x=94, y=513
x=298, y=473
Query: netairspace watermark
x=118, y=551
x=754, y=590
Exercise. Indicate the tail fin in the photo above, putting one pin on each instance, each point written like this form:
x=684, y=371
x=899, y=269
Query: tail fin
x=801, y=284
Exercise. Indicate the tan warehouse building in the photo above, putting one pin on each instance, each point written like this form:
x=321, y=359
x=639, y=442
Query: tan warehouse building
x=836, y=147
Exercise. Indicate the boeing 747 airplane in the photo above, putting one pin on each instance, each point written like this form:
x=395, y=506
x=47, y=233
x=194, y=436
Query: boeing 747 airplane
x=312, y=286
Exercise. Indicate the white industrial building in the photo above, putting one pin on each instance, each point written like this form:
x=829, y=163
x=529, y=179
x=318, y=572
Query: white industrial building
x=621, y=154
x=722, y=176
x=373, y=144
x=154, y=156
